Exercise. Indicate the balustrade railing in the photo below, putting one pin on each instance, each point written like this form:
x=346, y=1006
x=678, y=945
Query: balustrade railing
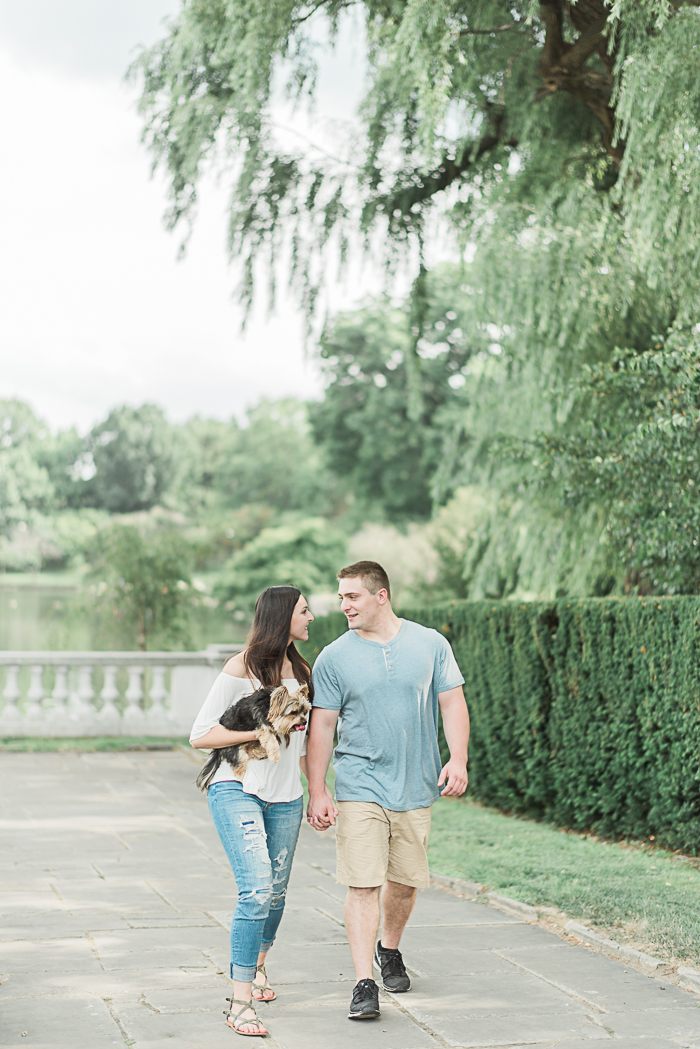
x=105, y=693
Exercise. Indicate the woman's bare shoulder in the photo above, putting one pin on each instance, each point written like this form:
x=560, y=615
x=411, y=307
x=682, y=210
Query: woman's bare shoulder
x=236, y=667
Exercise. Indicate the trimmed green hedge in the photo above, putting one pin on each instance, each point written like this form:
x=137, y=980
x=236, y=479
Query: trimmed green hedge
x=586, y=713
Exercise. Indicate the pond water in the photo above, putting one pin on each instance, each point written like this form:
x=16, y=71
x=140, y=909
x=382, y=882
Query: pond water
x=48, y=613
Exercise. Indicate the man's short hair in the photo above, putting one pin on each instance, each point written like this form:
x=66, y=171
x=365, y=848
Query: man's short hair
x=371, y=573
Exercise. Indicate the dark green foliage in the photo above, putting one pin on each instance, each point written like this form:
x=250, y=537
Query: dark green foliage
x=322, y=631
x=380, y=420
x=271, y=462
x=303, y=553
x=25, y=484
x=141, y=586
x=586, y=713
x=632, y=445
x=135, y=459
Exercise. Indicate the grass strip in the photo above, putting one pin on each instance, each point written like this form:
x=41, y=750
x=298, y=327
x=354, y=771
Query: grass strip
x=639, y=894
x=40, y=745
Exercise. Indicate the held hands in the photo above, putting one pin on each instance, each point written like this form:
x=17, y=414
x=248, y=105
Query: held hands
x=454, y=773
x=321, y=811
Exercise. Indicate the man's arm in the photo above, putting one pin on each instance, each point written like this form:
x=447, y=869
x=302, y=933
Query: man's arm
x=455, y=721
x=321, y=811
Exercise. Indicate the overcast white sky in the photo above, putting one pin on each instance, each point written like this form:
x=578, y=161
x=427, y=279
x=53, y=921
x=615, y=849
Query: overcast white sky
x=95, y=309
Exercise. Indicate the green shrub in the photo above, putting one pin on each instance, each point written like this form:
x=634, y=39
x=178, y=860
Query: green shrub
x=304, y=554
x=586, y=713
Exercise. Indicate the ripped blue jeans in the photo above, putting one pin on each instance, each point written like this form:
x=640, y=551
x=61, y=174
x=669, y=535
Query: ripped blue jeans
x=259, y=838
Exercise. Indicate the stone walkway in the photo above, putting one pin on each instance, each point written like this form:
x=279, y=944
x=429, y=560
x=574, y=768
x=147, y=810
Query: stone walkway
x=116, y=900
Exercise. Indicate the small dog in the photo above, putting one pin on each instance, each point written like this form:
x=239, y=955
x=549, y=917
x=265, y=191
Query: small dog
x=275, y=711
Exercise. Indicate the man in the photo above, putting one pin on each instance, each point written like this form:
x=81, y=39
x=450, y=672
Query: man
x=382, y=683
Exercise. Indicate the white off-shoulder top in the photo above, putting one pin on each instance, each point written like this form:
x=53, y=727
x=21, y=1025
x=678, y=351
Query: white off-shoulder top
x=269, y=780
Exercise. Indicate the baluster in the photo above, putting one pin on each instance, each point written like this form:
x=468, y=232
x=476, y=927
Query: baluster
x=157, y=715
x=109, y=715
x=80, y=707
x=59, y=696
x=134, y=716
x=58, y=720
x=33, y=711
x=11, y=717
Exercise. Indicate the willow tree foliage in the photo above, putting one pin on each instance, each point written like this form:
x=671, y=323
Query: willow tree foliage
x=580, y=116
x=558, y=143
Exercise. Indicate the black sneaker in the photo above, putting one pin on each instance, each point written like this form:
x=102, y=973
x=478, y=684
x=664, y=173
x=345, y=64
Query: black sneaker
x=365, y=1001
x=394, y=975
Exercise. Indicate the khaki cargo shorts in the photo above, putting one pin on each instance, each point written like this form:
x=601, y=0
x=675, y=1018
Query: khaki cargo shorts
x=374, y=845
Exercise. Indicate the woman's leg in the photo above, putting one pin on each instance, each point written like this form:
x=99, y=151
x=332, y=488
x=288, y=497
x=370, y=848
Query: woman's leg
x=282, y=822
x=238, y=818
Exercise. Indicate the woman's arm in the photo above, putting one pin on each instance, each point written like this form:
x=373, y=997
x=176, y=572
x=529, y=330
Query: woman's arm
x=219, y=736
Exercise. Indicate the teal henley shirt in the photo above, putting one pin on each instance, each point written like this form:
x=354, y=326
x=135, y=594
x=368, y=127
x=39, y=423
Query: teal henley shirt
x=387, y=695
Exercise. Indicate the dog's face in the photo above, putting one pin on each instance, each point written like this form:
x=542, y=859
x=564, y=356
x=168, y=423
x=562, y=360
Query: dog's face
x=289, y=711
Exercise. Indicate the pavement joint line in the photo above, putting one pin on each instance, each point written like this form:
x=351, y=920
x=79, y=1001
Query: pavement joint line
x=203, y=849
x=163, y=897
x=387, y=996
x=330, y=916
x=62, y=901
x=142, y=1001
x=214, y=919
x=190, y=753
x=117, y=1019
x=552, y=983
x=93, y=948
x=327, y=893
x=323, y=870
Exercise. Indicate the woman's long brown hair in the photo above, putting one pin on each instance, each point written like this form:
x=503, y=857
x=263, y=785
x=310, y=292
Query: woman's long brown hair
x=269, y=643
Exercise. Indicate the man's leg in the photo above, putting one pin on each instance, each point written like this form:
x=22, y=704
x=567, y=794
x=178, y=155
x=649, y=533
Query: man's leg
x=361, y=915
x=407, y=870
x=362, y=843
x=398, y=902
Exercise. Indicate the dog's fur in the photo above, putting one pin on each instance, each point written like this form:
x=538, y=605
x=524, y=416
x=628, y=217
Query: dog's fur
x=275, y=711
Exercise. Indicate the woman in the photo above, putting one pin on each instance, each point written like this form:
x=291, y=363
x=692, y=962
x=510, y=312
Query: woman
x=258, y=817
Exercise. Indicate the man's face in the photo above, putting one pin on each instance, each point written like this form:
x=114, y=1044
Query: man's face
x=358, y=604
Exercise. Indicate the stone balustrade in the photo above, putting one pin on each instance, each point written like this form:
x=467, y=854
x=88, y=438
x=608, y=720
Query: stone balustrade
x=74, y=694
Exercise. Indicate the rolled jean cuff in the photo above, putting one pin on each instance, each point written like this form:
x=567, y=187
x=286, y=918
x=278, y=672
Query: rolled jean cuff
x=265, y=946
x=243, y=973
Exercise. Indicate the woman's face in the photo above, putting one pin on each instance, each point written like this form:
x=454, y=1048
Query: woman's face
x=301, y=617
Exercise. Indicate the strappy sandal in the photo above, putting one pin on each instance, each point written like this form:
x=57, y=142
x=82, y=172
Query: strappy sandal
x=262, y=986
x=236, y=1022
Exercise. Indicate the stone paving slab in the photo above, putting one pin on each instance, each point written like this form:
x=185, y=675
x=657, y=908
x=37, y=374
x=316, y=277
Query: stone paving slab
x=115, y=904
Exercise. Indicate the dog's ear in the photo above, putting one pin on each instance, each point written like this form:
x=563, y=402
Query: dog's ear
x=278, y=703
x=302, y=697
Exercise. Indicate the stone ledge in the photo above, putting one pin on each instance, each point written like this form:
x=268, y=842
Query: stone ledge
x=688, y=979
x=511, y=906
x=464, y=888
x=590, y=936
x=473, y=889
